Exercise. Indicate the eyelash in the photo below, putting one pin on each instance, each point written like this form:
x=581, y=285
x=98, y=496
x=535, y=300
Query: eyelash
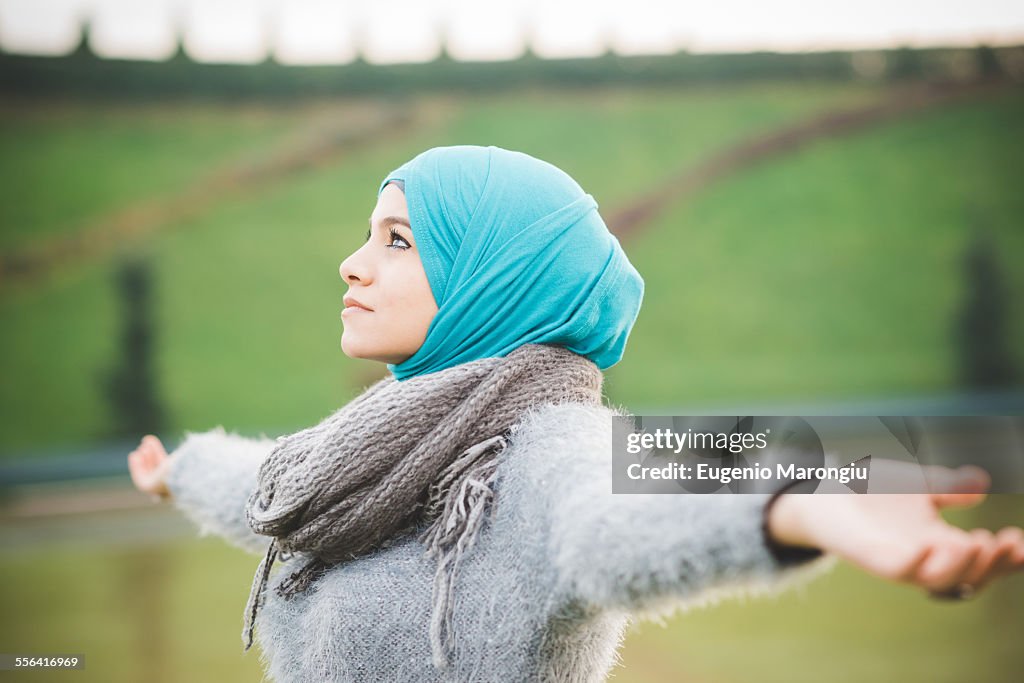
x=394, y=236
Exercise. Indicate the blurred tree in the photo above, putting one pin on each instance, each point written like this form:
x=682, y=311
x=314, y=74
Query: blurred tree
x=981, y=328
x=130, y=386
x=989, y=65
x=905, y=63
x=985, y=362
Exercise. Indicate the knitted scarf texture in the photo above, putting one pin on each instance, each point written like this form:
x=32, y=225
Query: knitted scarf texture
x=404, y=454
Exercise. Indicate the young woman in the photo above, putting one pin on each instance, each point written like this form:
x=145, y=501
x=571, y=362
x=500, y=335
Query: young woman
x=456, y=520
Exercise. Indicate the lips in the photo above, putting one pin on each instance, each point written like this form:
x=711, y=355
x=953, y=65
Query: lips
x=350, y=302
x=353, y=307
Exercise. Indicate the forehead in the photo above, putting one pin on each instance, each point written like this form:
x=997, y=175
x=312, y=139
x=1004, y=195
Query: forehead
x=390, y=203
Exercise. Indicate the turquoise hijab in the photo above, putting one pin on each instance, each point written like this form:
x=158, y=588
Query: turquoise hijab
x=515, y=253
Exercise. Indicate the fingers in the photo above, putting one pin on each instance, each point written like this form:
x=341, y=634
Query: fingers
x=147, y=467
x=1018, y=553
x=138, y=469
x=1013, y=538
x=148, y=455
x=154, y=444
x=144, y=457
x=150, y=449
x=953, y=555
x=990, y=559
x=1009, y=545
x=944, y=500
x=961, y=487
x=971, y=479
x=908, y=571
x=972, y=559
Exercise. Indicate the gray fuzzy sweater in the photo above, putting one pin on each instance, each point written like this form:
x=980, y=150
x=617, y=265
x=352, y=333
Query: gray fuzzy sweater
x=558, y=572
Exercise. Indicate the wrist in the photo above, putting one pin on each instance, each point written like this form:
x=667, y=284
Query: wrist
x=786, y=521
x=161, y=492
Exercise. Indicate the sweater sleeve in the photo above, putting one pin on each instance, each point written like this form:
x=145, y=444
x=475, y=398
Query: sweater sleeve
x=211, y=475
x=648, y=552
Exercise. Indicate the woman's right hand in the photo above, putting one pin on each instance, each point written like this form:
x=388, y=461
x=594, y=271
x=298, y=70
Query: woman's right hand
x=147, y=465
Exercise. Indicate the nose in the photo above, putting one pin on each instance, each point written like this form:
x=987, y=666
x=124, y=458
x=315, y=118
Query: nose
x=355, y=269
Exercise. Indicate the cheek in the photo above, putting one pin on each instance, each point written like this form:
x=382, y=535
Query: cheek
x=414, y=296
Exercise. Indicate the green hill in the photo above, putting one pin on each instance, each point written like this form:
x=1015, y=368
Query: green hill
x=831, y=272
x=834, y=272
x=248, y=292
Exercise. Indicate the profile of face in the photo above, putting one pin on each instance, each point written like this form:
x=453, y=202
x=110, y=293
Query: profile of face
x=389, y=304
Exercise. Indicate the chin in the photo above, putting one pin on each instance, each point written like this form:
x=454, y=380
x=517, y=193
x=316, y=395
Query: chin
x=350, y=348
x=353, y=349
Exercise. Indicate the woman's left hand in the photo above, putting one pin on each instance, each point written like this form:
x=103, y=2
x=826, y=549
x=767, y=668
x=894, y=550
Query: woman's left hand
x=902, y=537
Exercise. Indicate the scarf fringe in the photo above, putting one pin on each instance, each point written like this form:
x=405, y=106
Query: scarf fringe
x=454, y=531
x=460, y=509
x=259, y=587
x=330, y=493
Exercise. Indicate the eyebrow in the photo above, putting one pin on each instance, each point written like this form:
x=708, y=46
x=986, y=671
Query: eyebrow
x=386, y=223
x=391, y=220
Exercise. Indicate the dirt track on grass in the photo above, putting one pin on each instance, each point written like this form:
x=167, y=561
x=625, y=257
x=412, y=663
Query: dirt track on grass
x=325, y=143
x=900, y=103
x=318, y=144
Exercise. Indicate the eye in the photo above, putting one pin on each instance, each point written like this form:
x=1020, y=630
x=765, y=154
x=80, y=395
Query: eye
x=396, y=239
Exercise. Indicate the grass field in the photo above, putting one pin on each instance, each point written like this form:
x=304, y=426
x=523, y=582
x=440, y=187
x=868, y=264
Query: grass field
x=160, y=612
x=835, y=272
x=831, y=272
x=248, y=292
x=172, y=612
x=63, y=165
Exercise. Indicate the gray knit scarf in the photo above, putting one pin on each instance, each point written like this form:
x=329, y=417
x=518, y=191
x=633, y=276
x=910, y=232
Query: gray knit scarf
x=402, y=454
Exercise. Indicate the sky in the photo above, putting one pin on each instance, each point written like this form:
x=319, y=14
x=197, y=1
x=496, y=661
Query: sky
x=335, y=31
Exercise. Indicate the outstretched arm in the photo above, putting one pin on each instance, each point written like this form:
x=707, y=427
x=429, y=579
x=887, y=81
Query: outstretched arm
x=902, y=537
x=642, y=552
x=647, y=551
x=209, y=477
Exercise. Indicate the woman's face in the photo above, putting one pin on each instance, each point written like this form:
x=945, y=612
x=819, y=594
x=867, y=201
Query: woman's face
x=389, y=305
